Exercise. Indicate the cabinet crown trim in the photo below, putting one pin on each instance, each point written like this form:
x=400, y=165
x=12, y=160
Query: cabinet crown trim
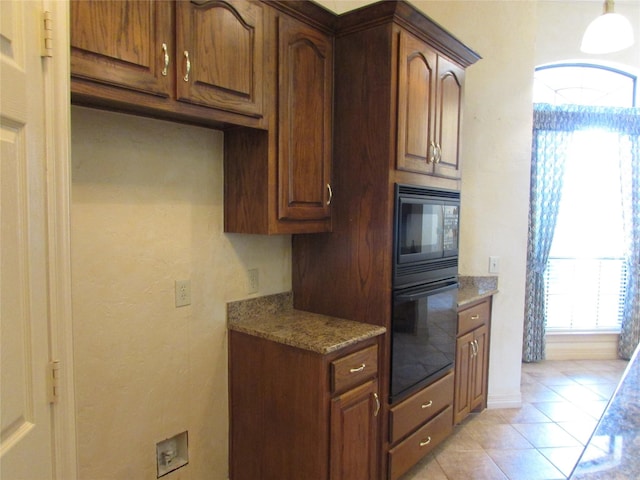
x=411, y=19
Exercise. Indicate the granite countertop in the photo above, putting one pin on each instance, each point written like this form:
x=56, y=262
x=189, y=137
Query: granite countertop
x=476, y=288
x=612, y=451
x=273, y=317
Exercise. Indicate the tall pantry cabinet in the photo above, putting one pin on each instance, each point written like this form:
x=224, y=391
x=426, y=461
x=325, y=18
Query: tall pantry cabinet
x=397, y=112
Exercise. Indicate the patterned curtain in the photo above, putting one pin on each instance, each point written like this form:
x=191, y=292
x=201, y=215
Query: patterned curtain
x=630, y=173
x=552, y=130
x=548, y=159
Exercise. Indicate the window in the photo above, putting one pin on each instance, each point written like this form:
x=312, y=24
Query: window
x=584, y=84
x=585, y=276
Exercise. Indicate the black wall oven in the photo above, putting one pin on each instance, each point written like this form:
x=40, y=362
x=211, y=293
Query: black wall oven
x=425, y=289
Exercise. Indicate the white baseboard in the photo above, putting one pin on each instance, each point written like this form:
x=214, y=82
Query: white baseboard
x=582, y=346
x=504, y=401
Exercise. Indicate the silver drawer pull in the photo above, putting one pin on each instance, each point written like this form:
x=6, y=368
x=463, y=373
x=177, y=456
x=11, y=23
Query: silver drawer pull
x=165, y=52
x=475, y=317
x=426, y=442
x=359, y=369
x=428, y=404
x=188, y=65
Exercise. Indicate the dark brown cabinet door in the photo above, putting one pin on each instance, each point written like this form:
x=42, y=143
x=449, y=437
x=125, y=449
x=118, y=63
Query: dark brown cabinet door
x=126, y=44
x=354, y=433
x=472, y=361
x=449, y=110
x=478, y=384
x=429, y=110
x=464, y=359
x=416, y=100
x=219, y=50
x=305, y=82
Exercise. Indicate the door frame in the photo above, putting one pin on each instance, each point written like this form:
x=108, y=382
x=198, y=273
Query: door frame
x=58, y=159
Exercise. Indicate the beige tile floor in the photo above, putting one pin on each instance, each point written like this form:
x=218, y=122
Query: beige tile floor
x=561, y=404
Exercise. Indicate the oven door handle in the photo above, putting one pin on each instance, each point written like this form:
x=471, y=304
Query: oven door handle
x=431, y=290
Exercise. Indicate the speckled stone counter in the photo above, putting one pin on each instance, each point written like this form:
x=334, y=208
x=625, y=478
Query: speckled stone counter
x=273, y=317
x=476, y=288
x=613, y=450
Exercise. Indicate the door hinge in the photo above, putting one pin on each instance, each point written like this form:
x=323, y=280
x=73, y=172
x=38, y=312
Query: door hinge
x=53, y=376
x=47, y=34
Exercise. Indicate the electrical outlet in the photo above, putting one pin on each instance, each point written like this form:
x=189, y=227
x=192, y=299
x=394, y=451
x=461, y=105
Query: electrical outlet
x=494, y=264
x=183, y=293
x=253, y=281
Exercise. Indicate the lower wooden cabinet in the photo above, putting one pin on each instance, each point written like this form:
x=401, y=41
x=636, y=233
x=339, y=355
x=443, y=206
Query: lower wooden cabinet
x=418, y=424
x=408, y=452
x=298, y=414
x=354, y=433
x=472, y=359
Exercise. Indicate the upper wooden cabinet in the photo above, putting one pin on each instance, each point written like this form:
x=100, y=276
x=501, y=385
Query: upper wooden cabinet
x=219, y=54
x=169, y=59
x=305, y=79
x=279, y=181
x=429, y=109
x=127, y=44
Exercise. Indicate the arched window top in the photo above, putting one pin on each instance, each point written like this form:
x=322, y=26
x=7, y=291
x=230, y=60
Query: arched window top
x=582, y=83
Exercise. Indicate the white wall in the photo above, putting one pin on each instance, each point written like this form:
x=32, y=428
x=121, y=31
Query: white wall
x=146, y=211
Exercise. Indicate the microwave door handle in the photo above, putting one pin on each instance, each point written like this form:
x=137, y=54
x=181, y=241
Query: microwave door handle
x=410, y=297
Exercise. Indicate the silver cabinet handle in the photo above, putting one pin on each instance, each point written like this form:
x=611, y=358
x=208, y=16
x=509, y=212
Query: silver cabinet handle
x=330, y=193
x=438, y=153
x=186, y=56
x=427, y=405
x=474, y=352
x=475, y=317
x=432, y=154
x=357, y=369
x=477, y=346
x=377, y=399
x=165, y=52
x=425, y=442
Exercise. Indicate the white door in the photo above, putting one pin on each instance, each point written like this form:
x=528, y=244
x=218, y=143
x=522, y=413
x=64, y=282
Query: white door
x=26, y=415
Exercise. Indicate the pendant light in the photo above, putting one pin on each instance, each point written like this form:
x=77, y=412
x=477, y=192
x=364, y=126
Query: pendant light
x=608, y=33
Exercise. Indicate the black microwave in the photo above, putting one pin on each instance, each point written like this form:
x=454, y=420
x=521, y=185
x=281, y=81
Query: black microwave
x=426, y=234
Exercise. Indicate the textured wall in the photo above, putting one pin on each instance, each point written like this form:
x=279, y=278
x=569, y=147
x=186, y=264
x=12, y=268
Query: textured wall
x=146, y=211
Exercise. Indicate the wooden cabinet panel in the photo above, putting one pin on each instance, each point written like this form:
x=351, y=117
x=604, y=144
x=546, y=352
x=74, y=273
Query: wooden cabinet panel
x=305, y=75
x=462, y=400
x=219, y=49
x=284, y=421
x=277, y=180
x=354, y=433
x=473, y=317
x=417, y=409
x=472, y=359
x=127, y=44
x=416, y=99
x=478, y=391
x=429, y=110
x=449, y=111
x=408, y=452
x=353, y=369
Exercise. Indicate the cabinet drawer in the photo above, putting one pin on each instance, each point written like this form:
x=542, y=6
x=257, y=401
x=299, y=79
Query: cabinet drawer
x=353, y=369
x=408, y=452
x=473, y=317
x=420, y=407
